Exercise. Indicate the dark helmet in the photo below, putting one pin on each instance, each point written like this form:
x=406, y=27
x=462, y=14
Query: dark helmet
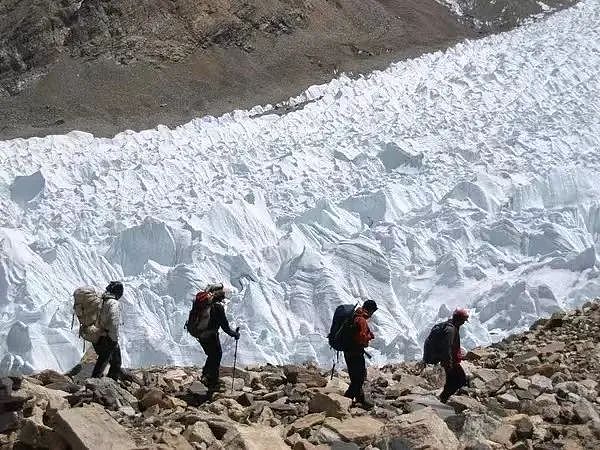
x=370, y=306
x=461, y=314
x=115, y=288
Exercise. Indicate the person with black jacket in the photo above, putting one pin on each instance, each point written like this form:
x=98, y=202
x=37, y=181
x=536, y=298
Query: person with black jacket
x=210, y=342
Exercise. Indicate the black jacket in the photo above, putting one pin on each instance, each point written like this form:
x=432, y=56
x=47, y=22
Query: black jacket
x=218, y=319
x=445, y=346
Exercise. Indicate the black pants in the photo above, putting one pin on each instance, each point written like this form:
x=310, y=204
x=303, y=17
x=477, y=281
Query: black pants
x=455, y=379
x=212, y=347
x=108, y=352
x=357, y=369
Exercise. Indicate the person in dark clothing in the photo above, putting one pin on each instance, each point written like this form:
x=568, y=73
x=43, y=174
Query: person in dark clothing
x=107, y=346
x=210, y=342
x=451, y=357
x=355, y=356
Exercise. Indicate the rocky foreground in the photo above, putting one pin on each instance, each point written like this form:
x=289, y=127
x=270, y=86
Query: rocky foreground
x=536, y=390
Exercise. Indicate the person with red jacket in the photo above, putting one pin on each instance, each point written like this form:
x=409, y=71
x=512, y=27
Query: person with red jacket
x=452, y=355
x=355, y=355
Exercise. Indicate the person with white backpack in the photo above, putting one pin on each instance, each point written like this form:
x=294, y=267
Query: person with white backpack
x=99, y=319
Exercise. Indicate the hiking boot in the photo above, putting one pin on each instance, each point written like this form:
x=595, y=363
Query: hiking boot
x=364, y=402
x=443, y=398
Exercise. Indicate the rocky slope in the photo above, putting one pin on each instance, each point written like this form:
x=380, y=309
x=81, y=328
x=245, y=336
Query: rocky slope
x=536, y=390
x=103, y=66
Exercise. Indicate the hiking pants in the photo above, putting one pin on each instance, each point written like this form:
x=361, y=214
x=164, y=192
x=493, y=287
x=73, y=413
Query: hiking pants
x=357, y=369
x=214, y=353
x=455, y=379
x=108, y=352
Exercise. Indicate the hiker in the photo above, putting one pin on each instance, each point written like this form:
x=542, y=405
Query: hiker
x=206, y=318
x=355, y=353
x=107, y=346
x=443, y=346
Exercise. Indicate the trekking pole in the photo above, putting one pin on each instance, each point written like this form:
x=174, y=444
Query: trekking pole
x=237, y=330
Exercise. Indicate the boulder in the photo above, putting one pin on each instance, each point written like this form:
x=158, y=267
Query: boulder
x=553, y=347
x=476, y=354
x=521, y=383
x=422, y=429
x=199, y=432
x=257, y=437
x=92, y=428
x=461, y=403
x=54, y=400
x=306, y=422
x=51, y=376
x=357, y=429
x=333, y=405
x=308, y=375
x=65, y=386
x=38, y=435
x=504, y=434
x=494, y=379
x=153, y=397
x=509, y=401
x=174, y=440
x=541, y=383
x=584, y=412
x=238, y=383
x=109, y=393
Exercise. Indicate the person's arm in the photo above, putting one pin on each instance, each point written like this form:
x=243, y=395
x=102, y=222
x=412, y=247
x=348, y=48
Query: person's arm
x=222, y=321
x=363, y=335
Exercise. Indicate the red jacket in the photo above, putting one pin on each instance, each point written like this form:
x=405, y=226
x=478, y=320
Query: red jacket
x=363, y=333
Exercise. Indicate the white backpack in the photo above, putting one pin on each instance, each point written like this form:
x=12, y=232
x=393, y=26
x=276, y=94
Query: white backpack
x=87, y=306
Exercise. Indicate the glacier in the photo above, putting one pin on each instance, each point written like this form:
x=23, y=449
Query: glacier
x=466, y=177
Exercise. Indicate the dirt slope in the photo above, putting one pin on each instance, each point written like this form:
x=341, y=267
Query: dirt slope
x=105, y=66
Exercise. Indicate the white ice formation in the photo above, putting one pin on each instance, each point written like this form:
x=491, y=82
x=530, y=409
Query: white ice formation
x=469, y=177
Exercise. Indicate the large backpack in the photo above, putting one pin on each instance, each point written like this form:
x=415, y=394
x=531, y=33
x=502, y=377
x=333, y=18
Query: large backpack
x=435, y=344
x=199, y=317
x=86, y=306
x=342, y=328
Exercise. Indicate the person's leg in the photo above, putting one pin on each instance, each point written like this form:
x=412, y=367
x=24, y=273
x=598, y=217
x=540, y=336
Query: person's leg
x=114, y=371
x=104, y=350
x=355, y=371
x=455, y=379
x=214, y=353
x=207, y=351
x=361, y=368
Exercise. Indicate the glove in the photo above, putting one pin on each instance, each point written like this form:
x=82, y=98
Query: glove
x=237, y=335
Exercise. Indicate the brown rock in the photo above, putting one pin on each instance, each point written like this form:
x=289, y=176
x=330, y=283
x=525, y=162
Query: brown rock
x=461, y=403
x=174, y=440
x=333, y=405
x=51, y=376
x=308, y=421
x=553, y=347
x=509, y=401
x=422, y=429
x=504, y=434
x=257, y=437
x=156, y=397
x=91, y=428
x=308, y=375
x=199, y=432
x=476, y=354
x=357, y=429
x=38, y=435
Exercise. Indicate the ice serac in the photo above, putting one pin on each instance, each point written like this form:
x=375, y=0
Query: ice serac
x=468, y=177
